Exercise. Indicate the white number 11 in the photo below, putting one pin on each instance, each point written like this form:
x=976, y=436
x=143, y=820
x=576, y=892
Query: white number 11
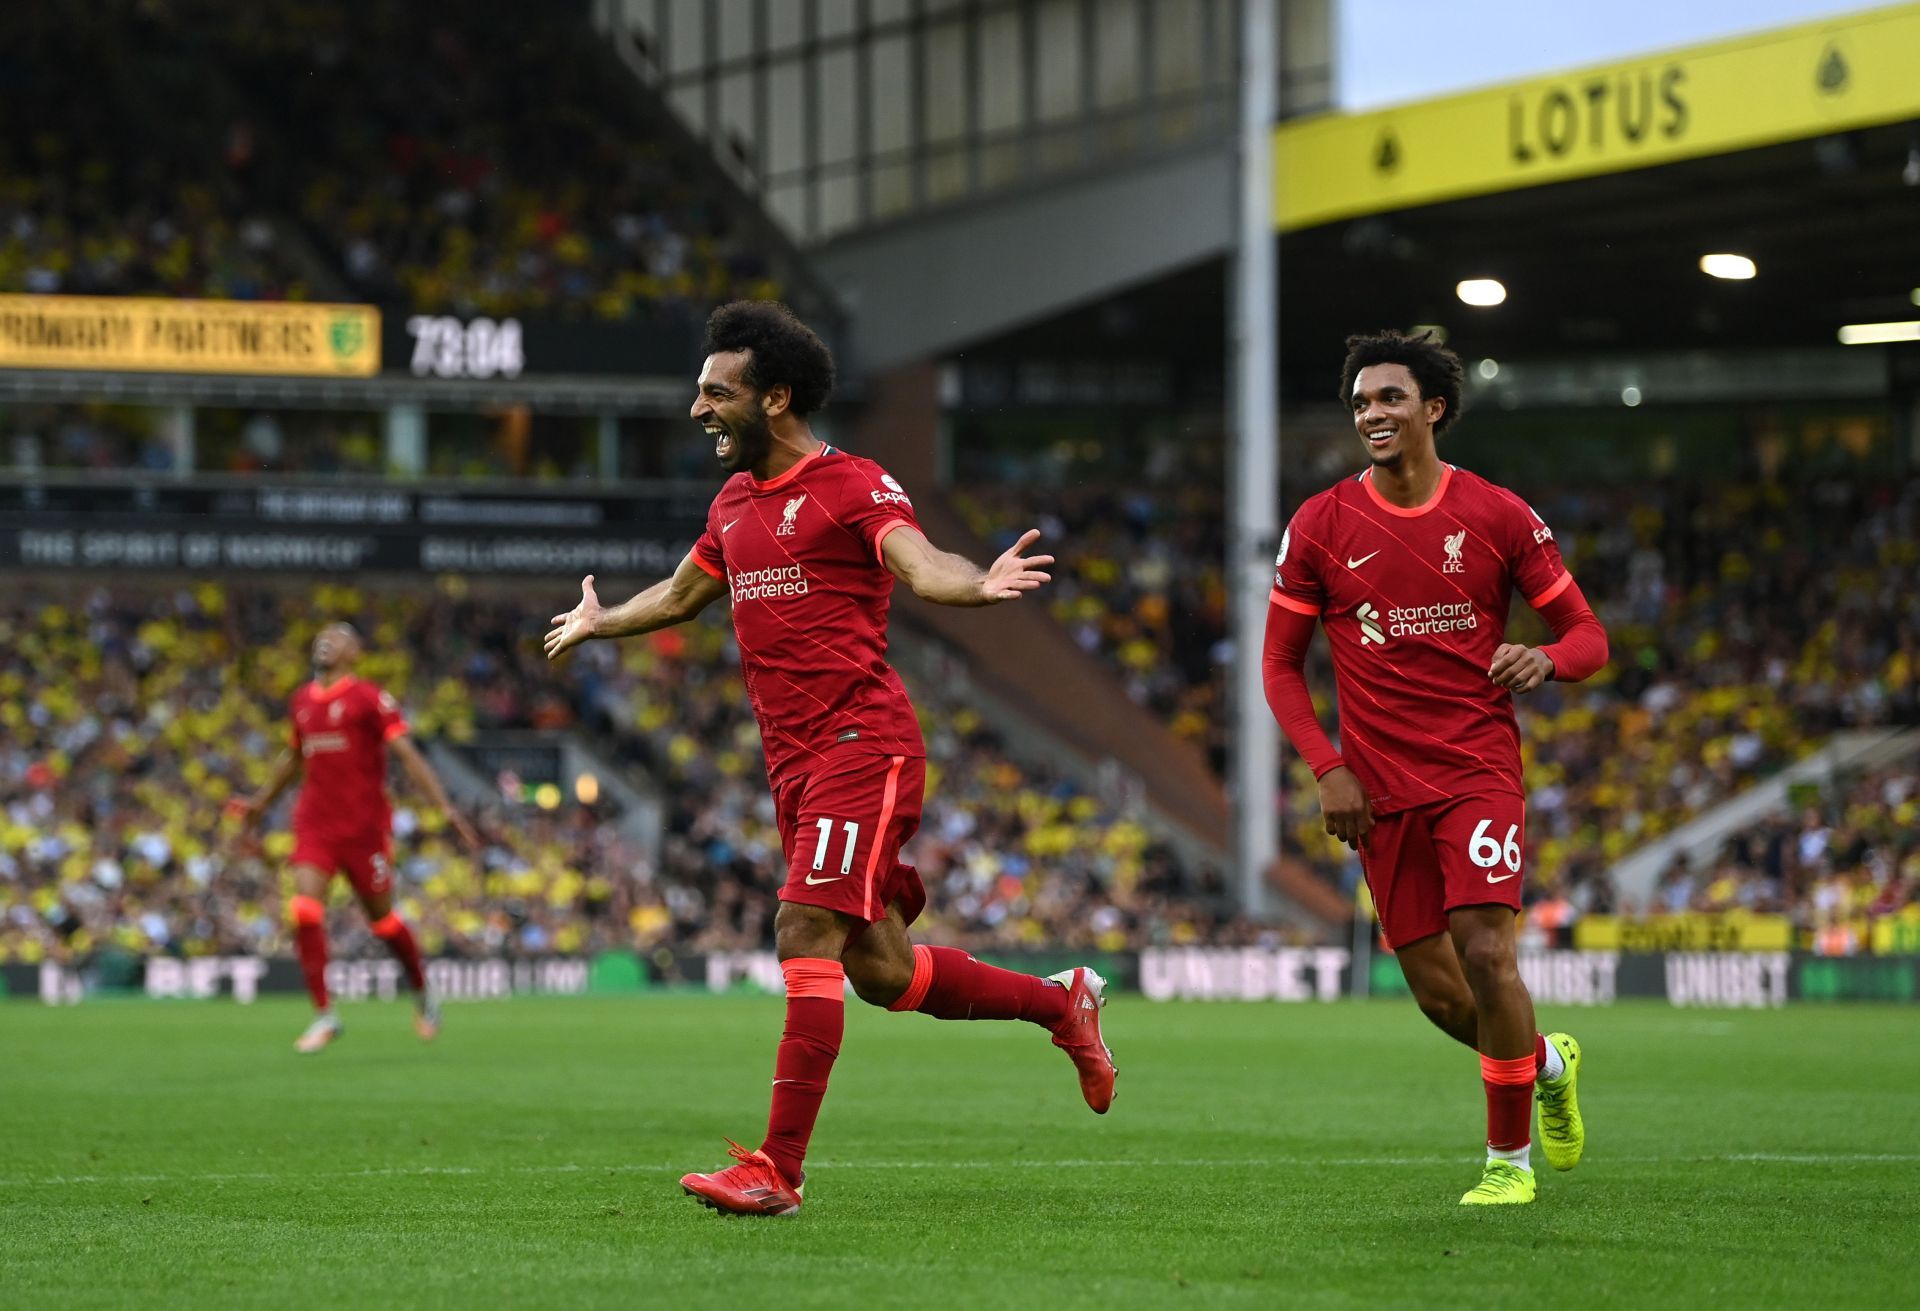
x=826, y=831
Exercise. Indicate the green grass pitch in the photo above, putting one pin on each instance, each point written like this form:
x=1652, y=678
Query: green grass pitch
x=1259, y=1155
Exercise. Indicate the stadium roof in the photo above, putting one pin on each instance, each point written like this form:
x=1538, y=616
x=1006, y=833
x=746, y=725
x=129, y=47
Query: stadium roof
x=1612, y=263
x=1599, y=265
x=1591, y=196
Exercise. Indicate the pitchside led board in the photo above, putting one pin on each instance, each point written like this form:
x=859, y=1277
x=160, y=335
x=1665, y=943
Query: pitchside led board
x=1847, y=72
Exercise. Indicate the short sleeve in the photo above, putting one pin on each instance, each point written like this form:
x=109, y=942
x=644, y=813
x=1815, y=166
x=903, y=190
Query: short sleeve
x=706, y=553
x=1533, y=557
x=1297, y=584
x=873, y=504
x=388, y=714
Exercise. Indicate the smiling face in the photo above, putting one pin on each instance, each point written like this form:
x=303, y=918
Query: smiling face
x=732, y=412
x=334, y=648
x=1390, y=415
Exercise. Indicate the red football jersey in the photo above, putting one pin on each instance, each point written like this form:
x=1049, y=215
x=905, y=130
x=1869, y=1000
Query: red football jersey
x=342, y=733
x=801, y=555
x=1414, y=603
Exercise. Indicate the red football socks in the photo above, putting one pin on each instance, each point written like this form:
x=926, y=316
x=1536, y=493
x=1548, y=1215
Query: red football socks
x=948, y=984
x=393, y=931
x=310, y=945
x=1509, y=1085
x=816, y=1021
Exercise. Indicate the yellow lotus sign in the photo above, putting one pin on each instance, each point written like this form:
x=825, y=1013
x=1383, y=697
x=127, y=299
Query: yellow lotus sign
x=1845, y=72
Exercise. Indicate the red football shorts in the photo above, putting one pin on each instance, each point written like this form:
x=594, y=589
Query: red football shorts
x=1424, y=862
x=842, y=825
x=365, y=863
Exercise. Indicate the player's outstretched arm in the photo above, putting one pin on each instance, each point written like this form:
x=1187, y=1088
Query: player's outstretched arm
x=286, y=768
x=669, y=601
x=429, y=784
x=948, y=579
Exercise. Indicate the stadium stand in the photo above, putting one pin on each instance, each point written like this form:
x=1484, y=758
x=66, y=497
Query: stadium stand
x=1140, y=584
x=53, y=437
x=132, y=715
x=88, y=206
x=1843, y=867
x=442, y=167
x=87, y=437
x=467, y=176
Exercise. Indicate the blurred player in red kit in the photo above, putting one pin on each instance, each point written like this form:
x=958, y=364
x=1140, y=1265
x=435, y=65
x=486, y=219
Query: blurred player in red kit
x=342, y=729
x=1411, y=568
x=808, y=540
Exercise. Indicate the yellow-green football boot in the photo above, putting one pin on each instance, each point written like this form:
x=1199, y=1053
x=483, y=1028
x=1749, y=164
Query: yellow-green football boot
x=1503, y=1184
x=1563, y=1135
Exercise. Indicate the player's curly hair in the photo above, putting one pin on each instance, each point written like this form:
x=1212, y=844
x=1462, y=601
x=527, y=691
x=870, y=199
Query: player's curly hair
x=1432, y=365
x=780, y=350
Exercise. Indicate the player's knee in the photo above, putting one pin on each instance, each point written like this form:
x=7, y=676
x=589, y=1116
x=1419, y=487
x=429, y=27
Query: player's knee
x=879, y=982
x=807, y=931
x=1488, y=960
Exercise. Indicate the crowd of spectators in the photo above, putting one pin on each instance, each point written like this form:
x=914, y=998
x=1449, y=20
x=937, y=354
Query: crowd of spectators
x=41, y=438
x=121, y=166
x=1748, y=623
x=131, y=716
x=486, y=159
x=83, y=437
x=1842, y=866
x=1140, y=583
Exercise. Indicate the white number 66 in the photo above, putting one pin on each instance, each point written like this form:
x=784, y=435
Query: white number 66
x=1487, y=853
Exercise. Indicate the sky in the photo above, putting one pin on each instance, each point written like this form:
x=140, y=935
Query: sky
x=1392, y=51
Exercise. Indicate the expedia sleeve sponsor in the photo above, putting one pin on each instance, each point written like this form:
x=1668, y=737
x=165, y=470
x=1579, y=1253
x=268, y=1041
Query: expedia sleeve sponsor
x=189, y=336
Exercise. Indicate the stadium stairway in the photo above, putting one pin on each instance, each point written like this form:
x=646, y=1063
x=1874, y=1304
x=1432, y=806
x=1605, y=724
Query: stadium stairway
x=1700, y=839
x=638, y=801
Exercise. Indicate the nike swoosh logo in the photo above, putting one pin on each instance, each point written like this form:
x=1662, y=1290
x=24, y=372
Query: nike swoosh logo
x=725, y=526
x=1502, y=879
x=813, y=882
x=1355, y=564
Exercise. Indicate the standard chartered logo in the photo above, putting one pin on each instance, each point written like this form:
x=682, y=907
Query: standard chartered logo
x=1419, y=620
x=1414, y=621
x=769, y=584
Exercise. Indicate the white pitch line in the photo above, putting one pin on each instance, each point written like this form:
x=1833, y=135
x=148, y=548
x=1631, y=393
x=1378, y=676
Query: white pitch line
x=1125, y=1163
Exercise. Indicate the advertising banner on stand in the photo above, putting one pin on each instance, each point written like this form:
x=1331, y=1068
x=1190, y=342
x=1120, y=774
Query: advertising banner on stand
x=128, y=333
x=1721, y=980
x=326, y=530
